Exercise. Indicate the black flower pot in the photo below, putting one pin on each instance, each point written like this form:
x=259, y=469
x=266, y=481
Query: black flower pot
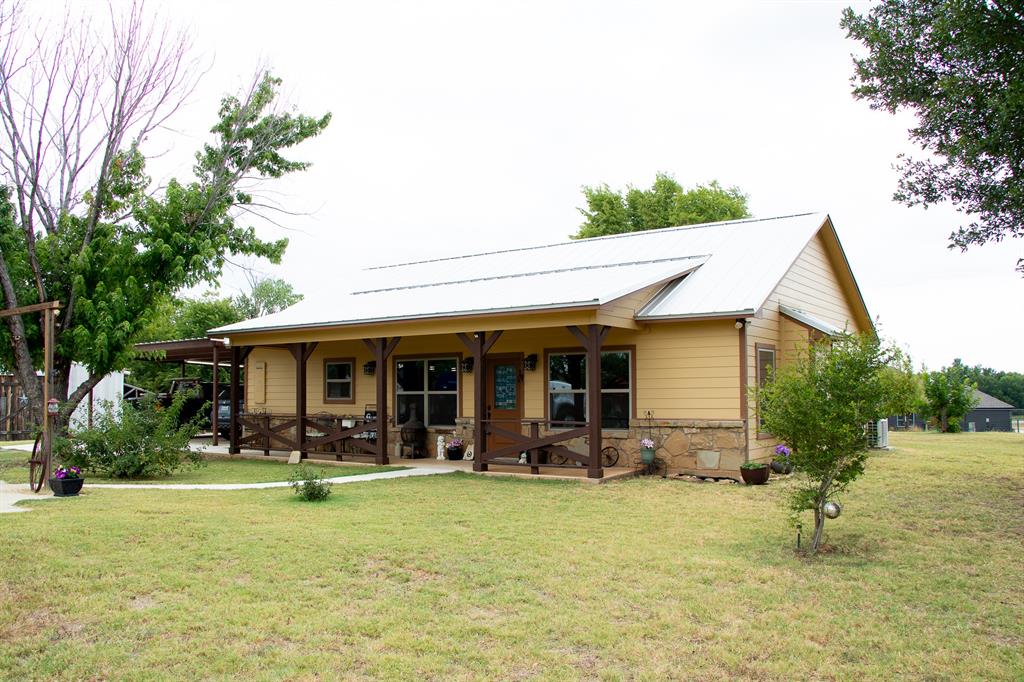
x=781, y=467
x=757, y=476
x=66, y=487
x=454, y=453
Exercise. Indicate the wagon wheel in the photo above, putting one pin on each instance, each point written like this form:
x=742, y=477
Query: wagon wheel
x=37, y=466
x=609, y=456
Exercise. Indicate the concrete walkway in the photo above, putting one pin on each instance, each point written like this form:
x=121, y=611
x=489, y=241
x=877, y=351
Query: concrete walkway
x=11, y=494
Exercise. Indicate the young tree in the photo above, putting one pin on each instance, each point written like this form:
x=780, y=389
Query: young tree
x=665, y=204
x=80, y=222
x=821, y=404
x=949, y=395
x=266, y=296
x=959, y=66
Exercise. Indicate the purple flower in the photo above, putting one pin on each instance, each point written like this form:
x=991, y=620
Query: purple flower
x=782, y=450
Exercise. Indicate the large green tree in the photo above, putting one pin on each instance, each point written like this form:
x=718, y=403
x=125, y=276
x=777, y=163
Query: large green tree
x=948, y=396
x=80, y=221
x=1007, y=386
x=820, y=405
x=666, y=203
x=958, y=65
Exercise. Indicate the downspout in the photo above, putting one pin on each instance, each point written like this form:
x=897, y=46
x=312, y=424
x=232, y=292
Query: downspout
x=741, y=325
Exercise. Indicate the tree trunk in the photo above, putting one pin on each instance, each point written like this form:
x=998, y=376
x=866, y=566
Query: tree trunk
x=819, y=525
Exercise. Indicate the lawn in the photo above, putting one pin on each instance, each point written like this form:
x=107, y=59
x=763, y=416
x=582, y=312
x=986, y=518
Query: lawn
x=466, y=577
x=13, y=470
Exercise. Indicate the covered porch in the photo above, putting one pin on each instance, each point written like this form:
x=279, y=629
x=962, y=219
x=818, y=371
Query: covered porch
x=480, y=387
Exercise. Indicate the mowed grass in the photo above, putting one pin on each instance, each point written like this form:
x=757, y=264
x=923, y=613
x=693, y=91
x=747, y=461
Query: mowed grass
x=466, y=577
x=13, y=469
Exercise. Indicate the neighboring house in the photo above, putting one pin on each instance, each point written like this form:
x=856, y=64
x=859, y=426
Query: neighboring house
x=991, y=414
x=562, y=349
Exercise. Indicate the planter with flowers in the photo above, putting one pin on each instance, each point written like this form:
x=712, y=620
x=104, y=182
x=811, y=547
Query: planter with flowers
x=647, y=450
x=781, y=464
x=454, y=449
x=66, y=481
x=754, y=473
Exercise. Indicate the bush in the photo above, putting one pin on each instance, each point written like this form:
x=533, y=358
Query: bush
x=127, y=441
x=309, y=485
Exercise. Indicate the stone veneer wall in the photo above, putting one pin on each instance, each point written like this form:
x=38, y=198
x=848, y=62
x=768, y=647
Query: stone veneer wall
x=690, y=446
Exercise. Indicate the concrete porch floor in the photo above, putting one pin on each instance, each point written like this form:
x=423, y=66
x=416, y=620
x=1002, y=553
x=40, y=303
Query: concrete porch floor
x=546, y=473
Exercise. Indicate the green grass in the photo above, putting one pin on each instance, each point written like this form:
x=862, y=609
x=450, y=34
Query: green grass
x=13, y=466
x=465, y=577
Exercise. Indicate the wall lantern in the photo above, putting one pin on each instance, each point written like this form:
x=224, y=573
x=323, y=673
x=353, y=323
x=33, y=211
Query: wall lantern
x=467, y=365
x=370, y=368
x=530, y=362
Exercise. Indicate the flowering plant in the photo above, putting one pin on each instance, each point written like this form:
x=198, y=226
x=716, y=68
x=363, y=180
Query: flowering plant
x=63, y=472
x=782, y=450
x=646, y=442
x=455, y=443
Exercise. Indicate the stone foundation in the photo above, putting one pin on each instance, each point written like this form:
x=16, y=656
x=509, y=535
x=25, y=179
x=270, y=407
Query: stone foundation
x=690, y=446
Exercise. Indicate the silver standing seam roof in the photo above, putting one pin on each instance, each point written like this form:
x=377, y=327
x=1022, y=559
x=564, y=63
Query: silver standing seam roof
x=713, y=269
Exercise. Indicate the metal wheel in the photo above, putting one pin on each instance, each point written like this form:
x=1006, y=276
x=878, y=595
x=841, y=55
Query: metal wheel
x=37, y=466
x=609, y=456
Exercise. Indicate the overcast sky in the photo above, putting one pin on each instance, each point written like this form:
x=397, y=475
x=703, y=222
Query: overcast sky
x=467, y=126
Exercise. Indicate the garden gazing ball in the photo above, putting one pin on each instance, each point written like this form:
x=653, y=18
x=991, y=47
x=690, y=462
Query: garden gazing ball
x=832, y=509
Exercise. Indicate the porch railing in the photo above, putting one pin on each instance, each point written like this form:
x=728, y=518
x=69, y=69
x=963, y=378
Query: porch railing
x=327, y=434
x=535, y=445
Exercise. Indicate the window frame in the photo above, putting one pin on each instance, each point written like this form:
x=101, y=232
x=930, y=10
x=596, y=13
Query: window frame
x=579, y=350
x=426, y=392
x=351, y=381
x=761, y=379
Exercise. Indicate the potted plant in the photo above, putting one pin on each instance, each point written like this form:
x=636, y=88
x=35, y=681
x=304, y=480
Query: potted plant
x=454, y=448
x=781, y=463
x=754, y=473
x=66, y=481
x=647, y=450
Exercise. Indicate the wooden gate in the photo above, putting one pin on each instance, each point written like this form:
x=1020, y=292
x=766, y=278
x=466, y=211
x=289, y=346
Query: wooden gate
x=17, y=420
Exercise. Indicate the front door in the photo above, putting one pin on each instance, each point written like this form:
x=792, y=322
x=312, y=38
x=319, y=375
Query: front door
x=504, y=396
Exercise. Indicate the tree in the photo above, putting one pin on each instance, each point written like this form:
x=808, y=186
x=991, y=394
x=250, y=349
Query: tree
x=266, y=296
x=959, y=66
x=665, y=204
x=80, y=222
x=1007, y=386
x=820, y=405
x=948, y=396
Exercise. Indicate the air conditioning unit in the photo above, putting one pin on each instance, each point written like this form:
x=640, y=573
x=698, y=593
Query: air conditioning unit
x=878, y=434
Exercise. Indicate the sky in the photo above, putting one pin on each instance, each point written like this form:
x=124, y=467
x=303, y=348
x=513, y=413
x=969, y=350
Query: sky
x=468, y=126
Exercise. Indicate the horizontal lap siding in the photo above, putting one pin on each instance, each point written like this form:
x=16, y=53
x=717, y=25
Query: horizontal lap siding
x=812, y=285
x=685, y=370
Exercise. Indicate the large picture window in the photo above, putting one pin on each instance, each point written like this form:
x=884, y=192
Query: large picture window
x=427, y=388
x=339, y=381
x=567, y=388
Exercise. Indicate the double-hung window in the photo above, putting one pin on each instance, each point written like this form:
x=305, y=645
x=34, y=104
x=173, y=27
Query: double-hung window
x=567, y=388
x=339, y=381
x=765, y=372
x=427, y=389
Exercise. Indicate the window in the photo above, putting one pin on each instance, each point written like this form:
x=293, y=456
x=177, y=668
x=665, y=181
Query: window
x=338, y=380
x=567, y=388
x=427, y=389
x=765, y=371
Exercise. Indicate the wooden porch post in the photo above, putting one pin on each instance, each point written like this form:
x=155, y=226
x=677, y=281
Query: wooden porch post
x=236, y=360
x=215, y=419
x=299, y=353
x=478, y=346
x=592, y=340
x=382, y=349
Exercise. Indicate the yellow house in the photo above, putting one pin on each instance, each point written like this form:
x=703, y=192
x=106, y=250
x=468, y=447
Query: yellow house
x=547, y=355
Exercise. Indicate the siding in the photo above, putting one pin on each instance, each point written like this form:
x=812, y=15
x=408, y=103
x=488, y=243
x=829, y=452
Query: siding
x=813, y=284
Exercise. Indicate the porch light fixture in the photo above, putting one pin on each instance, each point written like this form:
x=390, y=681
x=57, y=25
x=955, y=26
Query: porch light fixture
x=530, y=362
x=467, y=365
x=370, y=368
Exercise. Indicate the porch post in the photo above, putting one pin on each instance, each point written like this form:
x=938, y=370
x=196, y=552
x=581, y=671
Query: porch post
x=382, y=349
x=478, y=346
x=236, y=360
x=299, y=353
x=215, y=419
x=591, y=341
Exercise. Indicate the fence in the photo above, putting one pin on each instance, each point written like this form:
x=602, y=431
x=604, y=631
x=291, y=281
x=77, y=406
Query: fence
x=17, y=420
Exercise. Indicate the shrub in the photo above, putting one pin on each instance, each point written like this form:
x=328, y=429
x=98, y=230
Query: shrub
x=309, y=485
x=127, y=441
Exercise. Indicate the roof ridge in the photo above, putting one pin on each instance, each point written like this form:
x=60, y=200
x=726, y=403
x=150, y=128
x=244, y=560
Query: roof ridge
x=620, y=235
x=532, y=274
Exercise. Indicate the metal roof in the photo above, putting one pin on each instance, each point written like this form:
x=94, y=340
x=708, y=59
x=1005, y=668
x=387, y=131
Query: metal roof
x=809, y=320
x=717, y=268
x=987, y=402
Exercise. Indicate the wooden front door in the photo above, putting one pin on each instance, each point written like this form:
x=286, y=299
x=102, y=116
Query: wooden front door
x=504, y=396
